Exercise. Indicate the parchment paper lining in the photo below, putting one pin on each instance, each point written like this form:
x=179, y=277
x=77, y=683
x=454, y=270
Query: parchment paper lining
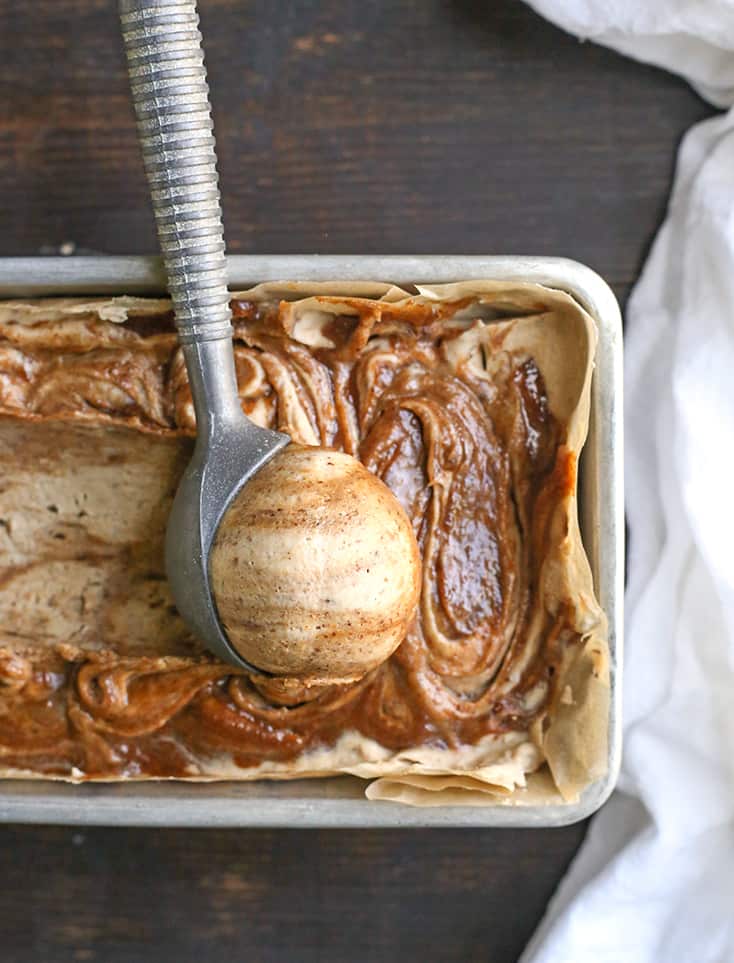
x=555, y=331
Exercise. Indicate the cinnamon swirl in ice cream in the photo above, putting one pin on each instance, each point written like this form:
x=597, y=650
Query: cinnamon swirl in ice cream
x=469, y=401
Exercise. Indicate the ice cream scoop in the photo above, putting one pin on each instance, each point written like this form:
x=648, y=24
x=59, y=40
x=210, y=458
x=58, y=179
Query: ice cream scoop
x=314, y=566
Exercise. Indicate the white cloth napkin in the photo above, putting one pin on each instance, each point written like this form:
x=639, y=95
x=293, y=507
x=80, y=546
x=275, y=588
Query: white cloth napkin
x=654, y=881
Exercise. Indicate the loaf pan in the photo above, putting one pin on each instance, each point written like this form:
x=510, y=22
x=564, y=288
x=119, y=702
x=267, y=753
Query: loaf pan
x=340, y=802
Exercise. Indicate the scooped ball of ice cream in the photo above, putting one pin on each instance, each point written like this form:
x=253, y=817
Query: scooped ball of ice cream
x=315, y=568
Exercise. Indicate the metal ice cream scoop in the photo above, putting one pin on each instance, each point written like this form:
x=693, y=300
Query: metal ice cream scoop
x=171, y=96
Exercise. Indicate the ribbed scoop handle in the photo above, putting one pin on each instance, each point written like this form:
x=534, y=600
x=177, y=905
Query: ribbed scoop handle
x=171, y=97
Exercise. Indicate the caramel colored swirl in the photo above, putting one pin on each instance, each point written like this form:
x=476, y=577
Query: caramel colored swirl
x=456, y=424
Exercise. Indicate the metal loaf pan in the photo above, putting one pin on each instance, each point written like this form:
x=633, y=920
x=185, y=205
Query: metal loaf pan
x=340, y=802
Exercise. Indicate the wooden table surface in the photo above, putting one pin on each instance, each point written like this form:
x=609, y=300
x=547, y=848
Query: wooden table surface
x=344, y=126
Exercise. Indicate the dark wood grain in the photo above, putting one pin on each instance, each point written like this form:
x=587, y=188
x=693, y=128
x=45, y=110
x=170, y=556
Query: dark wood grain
x=344, y=126
x=465, y=126
x=268, y=897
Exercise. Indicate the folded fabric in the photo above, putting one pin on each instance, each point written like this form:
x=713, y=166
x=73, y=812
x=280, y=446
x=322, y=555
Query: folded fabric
x=655, y=878
x=692, y=38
